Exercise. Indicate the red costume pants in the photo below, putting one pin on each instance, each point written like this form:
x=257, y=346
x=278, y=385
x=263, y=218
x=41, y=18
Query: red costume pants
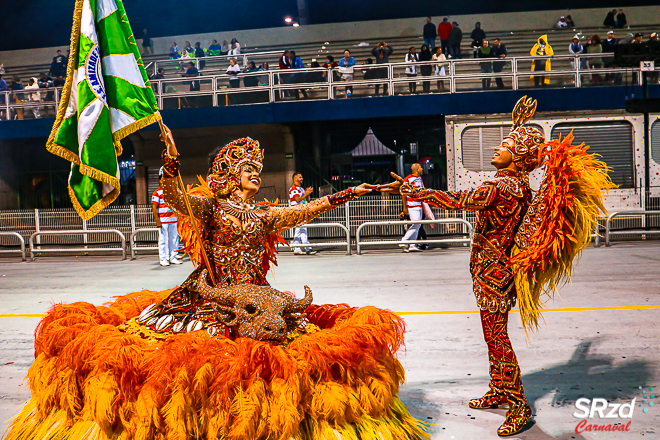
x=505, y=378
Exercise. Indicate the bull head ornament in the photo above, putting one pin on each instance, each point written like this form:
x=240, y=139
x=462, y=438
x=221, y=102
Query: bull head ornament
x=257, y=312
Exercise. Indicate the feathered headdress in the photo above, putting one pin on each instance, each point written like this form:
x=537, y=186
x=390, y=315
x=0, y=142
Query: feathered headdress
x=558, y=223
x=526, y=140
x=225, y=176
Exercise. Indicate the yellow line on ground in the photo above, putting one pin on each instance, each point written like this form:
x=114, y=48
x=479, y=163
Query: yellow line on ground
x=443, y=312
x=567, y=309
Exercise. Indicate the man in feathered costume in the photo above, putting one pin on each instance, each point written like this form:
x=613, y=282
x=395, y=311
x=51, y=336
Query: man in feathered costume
x=522, y=245
x=224, y=356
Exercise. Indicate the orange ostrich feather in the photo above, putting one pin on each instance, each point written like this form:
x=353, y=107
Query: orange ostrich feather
x=91, y=381
x=191, y=243
x=561, y=219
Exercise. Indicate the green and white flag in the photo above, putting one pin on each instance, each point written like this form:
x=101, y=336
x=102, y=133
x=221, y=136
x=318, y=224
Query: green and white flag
x=106, y=97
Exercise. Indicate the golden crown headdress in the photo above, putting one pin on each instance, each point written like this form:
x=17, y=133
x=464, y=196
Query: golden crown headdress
x=226, y=171
x=526, y=140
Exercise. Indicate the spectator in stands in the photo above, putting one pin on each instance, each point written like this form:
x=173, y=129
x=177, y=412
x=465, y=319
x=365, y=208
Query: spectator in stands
x=621, y=20
x=382, y=53
x=263, y=79
x=440, y=68
x=610, y=19
x=59, y=81
x=541, y=48
x=346, y=66
x=608, y=47
x=486, y=51
x=638, y=38
x=429, y=33
x=147, y=48
x=34, y=97
x=455, y=38
x=17, y=98
x=188, y=48
x=192, y=72
x=285, y=64
x=595, y=62
x=412, y=208
x=234, y=80
x=330, y=62
x=444, y=31
x=562, y=22
x=426, y=69
x=569, y=21
x=252, y=80
x=653, y=77
x=234, y=47
x=575, y=48
x=3, y=89
x=174, y=52
x=46, y=81
x=411, y=71
x=499, y=53
x=478, y=36
x=215, y=49
x=233, y=70
x=168, y=236
x=224, y=50
x=160, y=74
x=300, y=77
x=58, y=66
x=318, y=76
x=300, y=196
x=199, y=53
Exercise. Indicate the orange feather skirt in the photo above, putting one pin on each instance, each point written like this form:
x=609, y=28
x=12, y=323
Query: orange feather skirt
x=90, y=380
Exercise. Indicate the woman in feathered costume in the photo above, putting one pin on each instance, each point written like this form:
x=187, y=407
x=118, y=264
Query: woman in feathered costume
x=223, y=356
x=522, y=245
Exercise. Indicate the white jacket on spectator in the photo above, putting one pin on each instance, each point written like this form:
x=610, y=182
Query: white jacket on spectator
x=439, y=68
x=236, y=50
x=34, y=96
x=411, y=58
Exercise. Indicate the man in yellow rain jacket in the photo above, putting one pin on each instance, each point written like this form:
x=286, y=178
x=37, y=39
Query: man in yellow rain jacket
x=541, y=48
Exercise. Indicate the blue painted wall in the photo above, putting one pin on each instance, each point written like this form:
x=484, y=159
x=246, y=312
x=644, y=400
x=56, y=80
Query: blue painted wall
x=595, y=98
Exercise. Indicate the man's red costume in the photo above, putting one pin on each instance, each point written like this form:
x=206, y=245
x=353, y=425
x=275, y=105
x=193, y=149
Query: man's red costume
x=506, y=227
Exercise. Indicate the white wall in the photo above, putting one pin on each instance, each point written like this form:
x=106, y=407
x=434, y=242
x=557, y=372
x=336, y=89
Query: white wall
x=357, y=31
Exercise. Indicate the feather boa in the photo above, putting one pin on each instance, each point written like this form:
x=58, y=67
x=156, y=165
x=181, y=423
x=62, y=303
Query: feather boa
x=561, y=219
x=91, y=381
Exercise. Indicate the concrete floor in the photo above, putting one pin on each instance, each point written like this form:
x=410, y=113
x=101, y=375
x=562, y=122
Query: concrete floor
x=595, y=353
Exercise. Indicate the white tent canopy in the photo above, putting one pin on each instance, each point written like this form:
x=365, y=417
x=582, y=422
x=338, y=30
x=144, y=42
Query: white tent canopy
x=371, y=146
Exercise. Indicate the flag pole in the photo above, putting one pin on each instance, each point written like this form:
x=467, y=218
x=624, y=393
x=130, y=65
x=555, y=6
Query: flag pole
x=190, y=214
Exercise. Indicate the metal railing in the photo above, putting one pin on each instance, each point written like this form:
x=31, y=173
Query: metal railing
x=216, y=88
x=134, y=247
x=21, y=243
x=346, y=243
x=639, y=232
x=85, y=249
x=361, y=243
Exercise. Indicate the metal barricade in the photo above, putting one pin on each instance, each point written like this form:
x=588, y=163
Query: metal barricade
x=608, y=224
x=21, y=242
x=134, y=248
x=346, y=243
x=86, y=247
x=407, y=222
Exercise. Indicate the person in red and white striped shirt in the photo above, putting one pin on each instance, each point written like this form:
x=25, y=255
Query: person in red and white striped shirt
x=298, y=196
x=168, y=237
x=412, y=208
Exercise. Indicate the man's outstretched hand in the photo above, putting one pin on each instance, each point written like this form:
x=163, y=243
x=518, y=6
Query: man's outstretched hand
x=392, y=188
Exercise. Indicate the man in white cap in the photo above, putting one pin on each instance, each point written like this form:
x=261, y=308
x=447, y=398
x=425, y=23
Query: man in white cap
x=608, y=47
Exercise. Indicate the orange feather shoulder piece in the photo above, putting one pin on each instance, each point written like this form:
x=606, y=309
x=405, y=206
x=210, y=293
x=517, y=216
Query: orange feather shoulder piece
x=558, y=223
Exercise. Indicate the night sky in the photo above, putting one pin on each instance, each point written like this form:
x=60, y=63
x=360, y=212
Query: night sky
x=41, y=23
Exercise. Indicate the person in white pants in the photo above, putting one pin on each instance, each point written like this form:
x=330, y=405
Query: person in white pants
x=168, y=237
x=299, y=196
x=412, y=209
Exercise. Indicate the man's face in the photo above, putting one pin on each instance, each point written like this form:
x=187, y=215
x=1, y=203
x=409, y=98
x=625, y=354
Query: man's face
x=59, y=52
x=416, y=169
x=496, y=43
x=347, y=54
x=298, y=179
x=638, y=39
x=502, y=158
x=428, y=19
x=485, y=43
